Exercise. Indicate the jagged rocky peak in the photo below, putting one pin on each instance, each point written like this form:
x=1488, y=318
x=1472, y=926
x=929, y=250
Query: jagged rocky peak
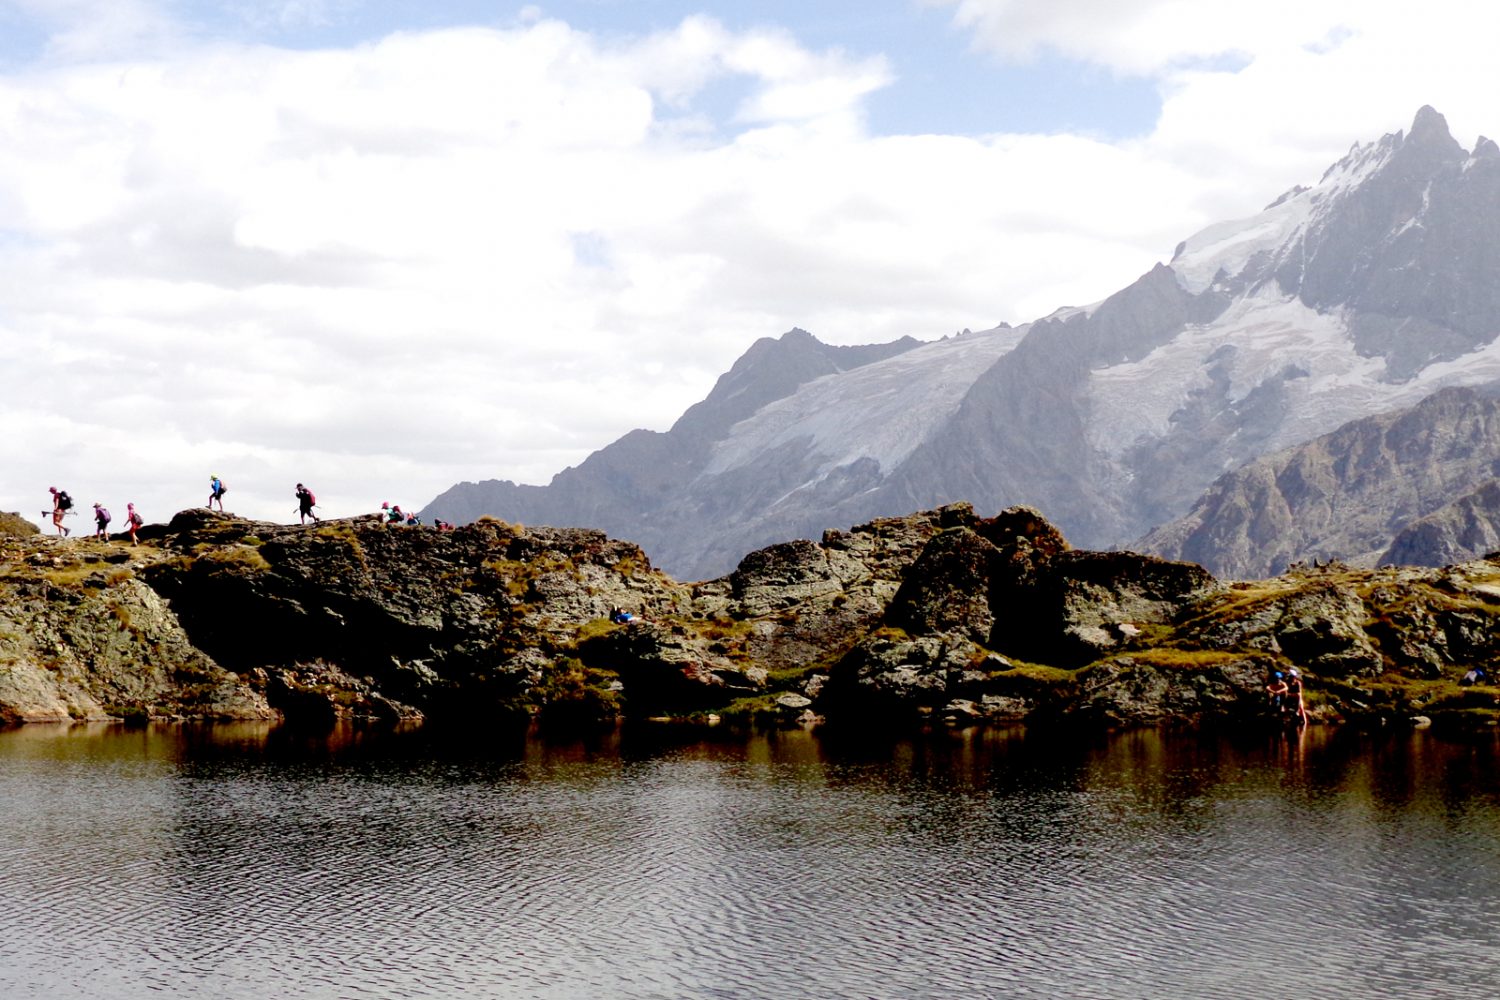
x=771, y=369
x=1394, y=235
x=1429, y=127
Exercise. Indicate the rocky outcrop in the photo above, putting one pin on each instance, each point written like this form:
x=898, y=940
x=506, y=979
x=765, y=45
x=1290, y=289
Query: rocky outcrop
x=16, y=526
x=1319, y=625
x=1011, y=583
x=445, y=622
x=83, y=637
x=1142, y=689
x=941, y=615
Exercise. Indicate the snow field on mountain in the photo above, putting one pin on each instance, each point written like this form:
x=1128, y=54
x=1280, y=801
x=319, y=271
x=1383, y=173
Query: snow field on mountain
x=883, y=410
x=1264, y=333
x=1231, y=245
x=1256, y=339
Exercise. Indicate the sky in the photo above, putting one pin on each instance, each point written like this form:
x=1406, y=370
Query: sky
x=384, y=247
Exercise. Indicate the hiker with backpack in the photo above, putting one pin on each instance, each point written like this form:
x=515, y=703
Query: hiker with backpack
x=61, y=505
x=305, y=503
x=133, y=522
x=101, y=522
x=216, y=490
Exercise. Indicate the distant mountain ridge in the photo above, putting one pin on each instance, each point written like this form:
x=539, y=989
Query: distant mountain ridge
x=1364, y=293
x=615, y=488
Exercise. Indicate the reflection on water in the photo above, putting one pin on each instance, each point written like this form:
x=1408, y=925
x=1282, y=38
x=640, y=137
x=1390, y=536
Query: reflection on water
x=249, y=861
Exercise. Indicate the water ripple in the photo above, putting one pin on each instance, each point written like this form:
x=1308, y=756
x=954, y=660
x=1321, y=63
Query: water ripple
x=175, y=864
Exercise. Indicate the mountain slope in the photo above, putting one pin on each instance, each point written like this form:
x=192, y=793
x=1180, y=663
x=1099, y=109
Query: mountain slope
x=615, y=487
x=1466, y=529
x=1342, y=495
x=1364, y=293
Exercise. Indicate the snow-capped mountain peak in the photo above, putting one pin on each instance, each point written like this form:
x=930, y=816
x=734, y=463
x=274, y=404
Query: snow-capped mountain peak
x=1363, y=292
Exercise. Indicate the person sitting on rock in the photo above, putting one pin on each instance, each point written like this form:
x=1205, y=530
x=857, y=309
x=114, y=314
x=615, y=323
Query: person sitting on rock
x=1277, y=691
x=1474, y=676
x=101, y=522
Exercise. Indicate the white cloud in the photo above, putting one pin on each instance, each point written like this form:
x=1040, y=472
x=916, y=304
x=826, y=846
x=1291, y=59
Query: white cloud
x=1257, y=97
x=81, y=29
x=1144, y=37
x=468, y=253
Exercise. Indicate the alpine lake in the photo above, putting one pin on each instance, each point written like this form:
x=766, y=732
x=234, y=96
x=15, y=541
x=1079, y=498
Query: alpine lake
x=256, y=861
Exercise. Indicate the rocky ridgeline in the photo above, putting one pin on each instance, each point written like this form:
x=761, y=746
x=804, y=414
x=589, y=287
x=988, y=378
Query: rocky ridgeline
x=938, y=615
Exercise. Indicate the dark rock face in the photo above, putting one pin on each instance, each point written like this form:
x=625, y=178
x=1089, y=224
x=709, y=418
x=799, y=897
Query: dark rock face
x=1011, y=583
x=1346, y=494
x=1130, y=690
x=671, y=669
x=83, y=637
x=441, y=622
x=1099, y=594
x=948, y=589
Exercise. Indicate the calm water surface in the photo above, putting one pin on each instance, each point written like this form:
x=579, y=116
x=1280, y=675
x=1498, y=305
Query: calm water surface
x=244, y=861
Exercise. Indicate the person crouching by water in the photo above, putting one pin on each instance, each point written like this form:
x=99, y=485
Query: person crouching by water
x=101, y=522
x=1294, y=701
x=1277, y=691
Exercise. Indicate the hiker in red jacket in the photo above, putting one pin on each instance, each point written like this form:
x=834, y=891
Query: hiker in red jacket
x=305, y=503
